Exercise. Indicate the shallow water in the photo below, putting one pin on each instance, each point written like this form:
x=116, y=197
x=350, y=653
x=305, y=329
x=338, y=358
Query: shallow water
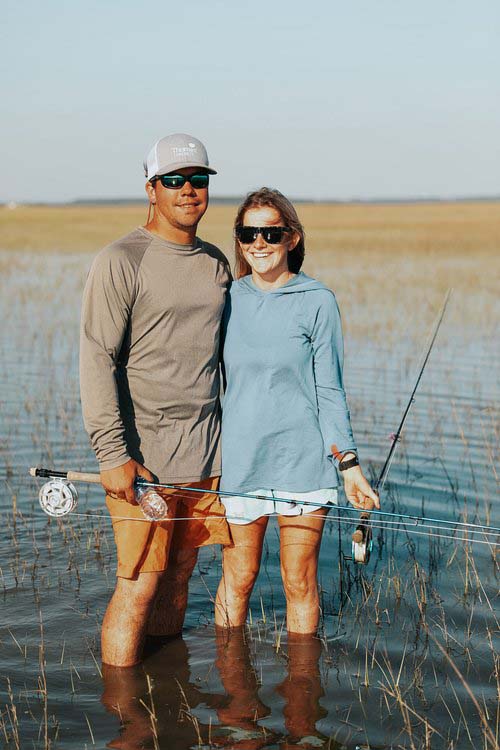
x=407, y=649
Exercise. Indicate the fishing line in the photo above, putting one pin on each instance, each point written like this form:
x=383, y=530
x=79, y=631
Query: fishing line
x=186, y=491
x=58, y=496
x=311, y=503
x=424, y=530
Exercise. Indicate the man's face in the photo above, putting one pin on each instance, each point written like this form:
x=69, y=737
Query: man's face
x=183, y=207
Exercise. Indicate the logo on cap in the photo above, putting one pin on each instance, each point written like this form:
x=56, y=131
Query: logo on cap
x=183, y=153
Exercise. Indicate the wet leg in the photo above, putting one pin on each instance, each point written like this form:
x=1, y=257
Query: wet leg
x=169, y=609
x=300, y=541
x=124, y=623
x=240, y=568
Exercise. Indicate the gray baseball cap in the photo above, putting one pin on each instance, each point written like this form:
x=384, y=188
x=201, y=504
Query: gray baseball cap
x=173, y=152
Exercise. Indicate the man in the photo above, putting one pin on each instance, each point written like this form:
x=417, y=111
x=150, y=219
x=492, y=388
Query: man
x=149, y=374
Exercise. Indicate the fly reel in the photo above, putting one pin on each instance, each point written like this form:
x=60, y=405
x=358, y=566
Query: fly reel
x=58, y=497
x=362, y=541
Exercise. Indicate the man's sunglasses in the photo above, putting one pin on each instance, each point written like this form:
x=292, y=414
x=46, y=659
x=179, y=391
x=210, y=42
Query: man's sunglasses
x=270, y=235
x=176, y=181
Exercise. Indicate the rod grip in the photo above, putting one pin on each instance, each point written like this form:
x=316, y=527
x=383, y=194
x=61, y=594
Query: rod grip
x=79, y=476
x=71, y=476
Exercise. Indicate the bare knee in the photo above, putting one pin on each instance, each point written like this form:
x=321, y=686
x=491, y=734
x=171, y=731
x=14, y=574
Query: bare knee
x=240, y=581
x=299, y=585
x=137, y=594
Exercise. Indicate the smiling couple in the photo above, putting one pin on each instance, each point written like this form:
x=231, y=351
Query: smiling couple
x=161, y=319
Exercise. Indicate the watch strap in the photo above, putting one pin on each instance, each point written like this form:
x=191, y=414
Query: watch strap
x=344, y=465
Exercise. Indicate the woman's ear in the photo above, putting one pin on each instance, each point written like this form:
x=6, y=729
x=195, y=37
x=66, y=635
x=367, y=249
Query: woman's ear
x=294, y=241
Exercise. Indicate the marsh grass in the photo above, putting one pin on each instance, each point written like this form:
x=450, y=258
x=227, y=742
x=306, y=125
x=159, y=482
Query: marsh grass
x=391, y=686
x=392, y=230
x=380, y=257
x=409, y=654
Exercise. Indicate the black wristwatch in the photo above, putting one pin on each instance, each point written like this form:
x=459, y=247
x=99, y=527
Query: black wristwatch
x=348, y=464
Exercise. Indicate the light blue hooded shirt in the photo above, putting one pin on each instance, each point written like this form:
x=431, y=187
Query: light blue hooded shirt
x=284, y=406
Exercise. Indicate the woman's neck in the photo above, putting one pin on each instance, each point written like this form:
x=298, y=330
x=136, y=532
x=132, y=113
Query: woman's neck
x=265, y=282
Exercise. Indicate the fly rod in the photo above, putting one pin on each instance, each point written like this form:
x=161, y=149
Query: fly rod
x=58, y=496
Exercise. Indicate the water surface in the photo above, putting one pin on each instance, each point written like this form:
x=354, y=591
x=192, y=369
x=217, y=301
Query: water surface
x=407, y=648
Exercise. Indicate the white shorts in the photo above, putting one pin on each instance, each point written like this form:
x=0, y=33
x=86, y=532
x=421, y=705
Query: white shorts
x=241, y=510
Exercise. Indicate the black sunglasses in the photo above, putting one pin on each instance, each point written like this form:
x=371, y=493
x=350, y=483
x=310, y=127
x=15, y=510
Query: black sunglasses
x=271, y=235
x=176, y=181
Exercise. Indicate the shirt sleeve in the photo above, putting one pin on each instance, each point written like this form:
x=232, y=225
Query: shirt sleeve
x=106, y=307
x=226, y=314
x=328, y=353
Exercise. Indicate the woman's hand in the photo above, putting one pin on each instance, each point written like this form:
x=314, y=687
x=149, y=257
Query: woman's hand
x=358, y=490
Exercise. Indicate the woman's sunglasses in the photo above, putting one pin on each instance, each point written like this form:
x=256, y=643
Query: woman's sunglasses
x=270, y=235
x=176, y=181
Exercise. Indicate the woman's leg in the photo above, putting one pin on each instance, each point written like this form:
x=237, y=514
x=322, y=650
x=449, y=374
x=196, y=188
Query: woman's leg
x=300, y=540
x=240, y=567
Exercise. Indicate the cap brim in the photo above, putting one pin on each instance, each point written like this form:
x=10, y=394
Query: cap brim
x=183, y=165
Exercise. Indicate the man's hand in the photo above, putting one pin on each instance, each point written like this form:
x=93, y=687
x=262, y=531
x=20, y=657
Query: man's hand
x=119, y=482
x=358, y=491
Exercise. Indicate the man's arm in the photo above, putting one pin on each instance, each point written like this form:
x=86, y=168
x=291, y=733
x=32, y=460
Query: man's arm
x=106, y=308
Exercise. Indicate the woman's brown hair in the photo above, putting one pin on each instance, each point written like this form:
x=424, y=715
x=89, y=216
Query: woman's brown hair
x=272, y=199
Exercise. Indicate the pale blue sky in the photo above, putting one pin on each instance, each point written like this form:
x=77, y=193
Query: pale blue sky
x=360, y=99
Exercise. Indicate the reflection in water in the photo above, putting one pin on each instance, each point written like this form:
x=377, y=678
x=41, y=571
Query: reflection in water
x=156, y=701
x=302, y=688
x=241, y=707
x=152, y=700
x=122, y=689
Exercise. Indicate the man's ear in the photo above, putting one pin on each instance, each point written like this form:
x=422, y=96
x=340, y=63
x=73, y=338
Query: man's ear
x=150, y=192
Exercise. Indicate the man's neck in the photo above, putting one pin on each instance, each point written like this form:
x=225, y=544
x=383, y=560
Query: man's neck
x=166, y=231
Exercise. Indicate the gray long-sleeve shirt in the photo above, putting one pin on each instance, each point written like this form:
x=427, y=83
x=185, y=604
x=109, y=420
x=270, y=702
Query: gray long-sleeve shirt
x=149, y=355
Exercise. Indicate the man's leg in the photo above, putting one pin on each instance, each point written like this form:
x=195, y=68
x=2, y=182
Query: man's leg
x=169, y=609
x=124, y=624
x=204, y=523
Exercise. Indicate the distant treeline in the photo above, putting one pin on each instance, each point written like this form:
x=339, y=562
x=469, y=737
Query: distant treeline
x=236, y=199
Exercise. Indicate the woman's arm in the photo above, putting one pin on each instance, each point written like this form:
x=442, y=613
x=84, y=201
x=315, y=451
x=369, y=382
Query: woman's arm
x=334, y=418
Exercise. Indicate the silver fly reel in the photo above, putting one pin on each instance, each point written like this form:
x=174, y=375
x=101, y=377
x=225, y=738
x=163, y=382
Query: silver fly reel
x=58, y=497
x=362, y=541
x=361, y=552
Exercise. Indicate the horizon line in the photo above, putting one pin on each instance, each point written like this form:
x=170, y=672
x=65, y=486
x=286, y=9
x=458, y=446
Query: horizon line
x=236, y=199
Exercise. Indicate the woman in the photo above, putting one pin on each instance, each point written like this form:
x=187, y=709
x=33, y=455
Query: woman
x=285, y=423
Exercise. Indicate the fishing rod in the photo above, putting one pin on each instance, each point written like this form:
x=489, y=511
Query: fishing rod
x=362, y=538
x=57, y=505
x=397, y=435
x=58, y=496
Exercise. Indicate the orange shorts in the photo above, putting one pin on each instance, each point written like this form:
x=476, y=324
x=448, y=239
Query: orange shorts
x=144, y=546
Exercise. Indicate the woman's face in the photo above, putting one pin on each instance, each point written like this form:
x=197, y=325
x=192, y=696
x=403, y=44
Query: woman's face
x=267, y=260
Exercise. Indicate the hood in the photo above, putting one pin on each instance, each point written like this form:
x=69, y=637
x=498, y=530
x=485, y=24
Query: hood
x=299, y=283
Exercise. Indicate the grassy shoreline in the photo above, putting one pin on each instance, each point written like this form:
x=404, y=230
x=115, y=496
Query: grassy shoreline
x=378, y=258
x=423, y=227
